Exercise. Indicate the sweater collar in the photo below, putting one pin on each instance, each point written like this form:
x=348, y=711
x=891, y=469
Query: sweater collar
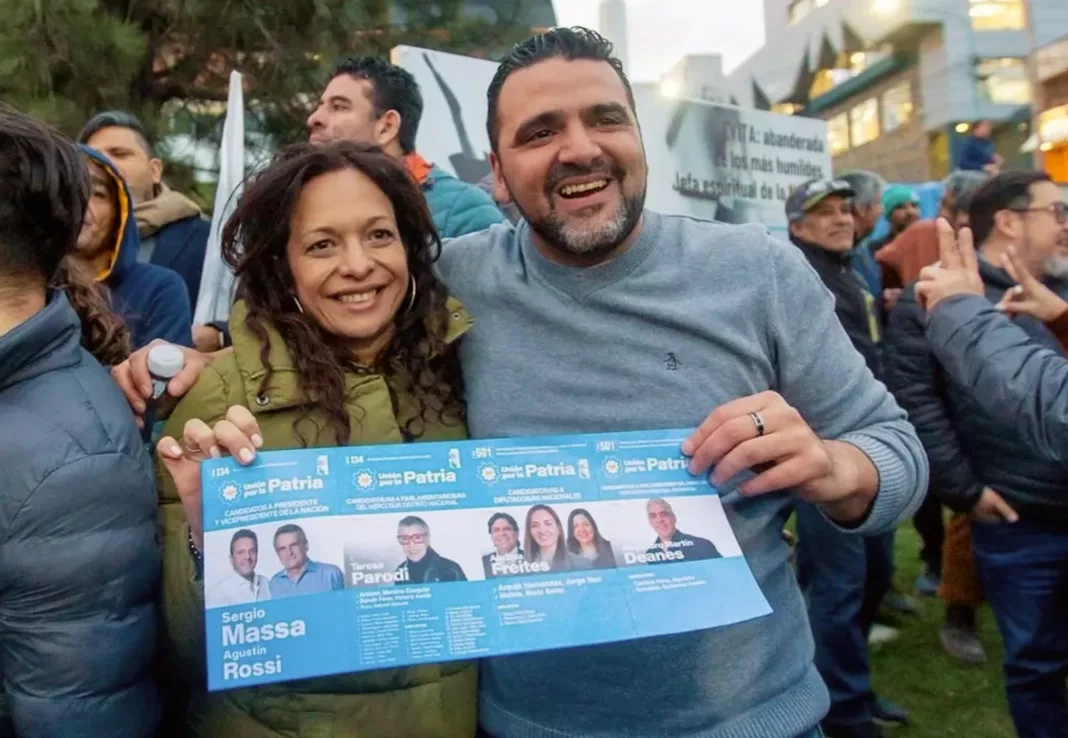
x=49, y=340
x=580, y=282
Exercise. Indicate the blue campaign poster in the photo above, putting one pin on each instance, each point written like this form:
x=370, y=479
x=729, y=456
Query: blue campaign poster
x=325, y=561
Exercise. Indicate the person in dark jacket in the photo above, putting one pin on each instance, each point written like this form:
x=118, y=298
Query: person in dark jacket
x=422, y=564
x=845, y=578
x=978, y=345
x=173, y=232
x=151, y=299
x=977, y=153
x=980, y=464
x=79, y=565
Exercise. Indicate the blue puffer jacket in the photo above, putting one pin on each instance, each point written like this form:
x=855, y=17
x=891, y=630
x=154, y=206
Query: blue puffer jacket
x=79, y=564
x=970, y=445
x=1013, y=376
x=458, y=208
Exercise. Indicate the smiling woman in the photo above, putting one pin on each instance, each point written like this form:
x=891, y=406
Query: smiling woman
x=342, y=335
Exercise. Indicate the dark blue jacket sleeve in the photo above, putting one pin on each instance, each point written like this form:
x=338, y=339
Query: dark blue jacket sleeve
x=1013, y=376
x=79, y=576
x=169, y=315
x=975, y=154
x=189, y=262
x=915, y=378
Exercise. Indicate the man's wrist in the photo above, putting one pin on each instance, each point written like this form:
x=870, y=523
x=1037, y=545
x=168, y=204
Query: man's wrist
x=850, y=490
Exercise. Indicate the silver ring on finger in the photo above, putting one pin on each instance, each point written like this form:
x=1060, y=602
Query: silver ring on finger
x=759, y=423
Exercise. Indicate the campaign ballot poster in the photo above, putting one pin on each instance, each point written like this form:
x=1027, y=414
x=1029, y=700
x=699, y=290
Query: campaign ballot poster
x=326, y=561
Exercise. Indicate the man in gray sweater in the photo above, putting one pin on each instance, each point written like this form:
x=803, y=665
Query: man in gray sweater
x=594, y=314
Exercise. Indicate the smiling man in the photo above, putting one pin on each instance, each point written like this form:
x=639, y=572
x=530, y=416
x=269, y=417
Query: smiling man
x=583, y=302
x=594, y=314
x=242, y=585
x=300, y=575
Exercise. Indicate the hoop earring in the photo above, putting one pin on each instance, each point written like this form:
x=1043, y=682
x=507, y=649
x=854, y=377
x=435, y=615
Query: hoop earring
x=411, y=300
x=300, y=308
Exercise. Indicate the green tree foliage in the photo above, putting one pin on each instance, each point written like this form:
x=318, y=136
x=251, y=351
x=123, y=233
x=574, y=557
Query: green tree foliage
x=169, y=61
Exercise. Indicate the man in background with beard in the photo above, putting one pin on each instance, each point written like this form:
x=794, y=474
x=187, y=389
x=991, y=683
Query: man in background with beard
x=981, y=465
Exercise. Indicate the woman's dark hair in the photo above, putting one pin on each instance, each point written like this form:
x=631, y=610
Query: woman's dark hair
x=418, y=364
x=603, y=546
x=104, y=334
x=44, y=190
x=532, y=550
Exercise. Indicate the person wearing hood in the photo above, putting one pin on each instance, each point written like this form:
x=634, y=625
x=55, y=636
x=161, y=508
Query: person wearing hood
x=844, y=577
x=151, y=299
x=173, y=232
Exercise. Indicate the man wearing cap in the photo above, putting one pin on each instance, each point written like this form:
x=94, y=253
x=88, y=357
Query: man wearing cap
x=844, y=577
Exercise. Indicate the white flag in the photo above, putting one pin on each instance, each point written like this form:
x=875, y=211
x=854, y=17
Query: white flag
x=217, y=281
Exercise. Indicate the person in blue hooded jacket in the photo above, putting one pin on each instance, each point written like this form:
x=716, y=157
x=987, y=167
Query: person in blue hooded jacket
x=79, y=564
x=151, y=299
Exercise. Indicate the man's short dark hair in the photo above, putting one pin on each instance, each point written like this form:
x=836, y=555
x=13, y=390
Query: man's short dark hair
x=559, y=43
x=412, y=520
x=44, y=190
x=243, y=533
x=290, y=528
x=506, y=518
x=393, y=88
x=1007, y=191
x=116, y=119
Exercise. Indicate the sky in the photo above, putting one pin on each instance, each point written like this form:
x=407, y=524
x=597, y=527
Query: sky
x=662, y=31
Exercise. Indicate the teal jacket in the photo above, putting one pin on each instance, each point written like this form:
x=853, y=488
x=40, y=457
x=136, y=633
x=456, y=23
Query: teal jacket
x=458, y=208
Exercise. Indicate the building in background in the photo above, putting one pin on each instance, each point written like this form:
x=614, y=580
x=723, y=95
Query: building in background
x=697, y=77
x=900, y=82
x=1052, y=74
x=613, y=26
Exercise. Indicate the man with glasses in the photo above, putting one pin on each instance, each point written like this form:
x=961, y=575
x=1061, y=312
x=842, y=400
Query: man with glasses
x=422, y=564
x=981, y=464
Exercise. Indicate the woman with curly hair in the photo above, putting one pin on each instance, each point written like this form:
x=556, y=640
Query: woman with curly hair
x=341, y=336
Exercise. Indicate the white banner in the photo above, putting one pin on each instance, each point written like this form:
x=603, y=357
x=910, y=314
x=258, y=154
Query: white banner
x=217, y=281
x=705, y=159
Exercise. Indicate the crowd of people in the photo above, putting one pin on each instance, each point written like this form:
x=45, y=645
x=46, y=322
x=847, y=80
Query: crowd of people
x=819, y=377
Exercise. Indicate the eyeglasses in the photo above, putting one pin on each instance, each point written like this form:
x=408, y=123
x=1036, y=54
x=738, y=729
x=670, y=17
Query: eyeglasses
x=414, y=538
x=1059, y=210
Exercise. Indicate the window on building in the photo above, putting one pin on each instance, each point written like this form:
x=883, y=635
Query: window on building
x=897, y=107
x=847, y=66
x=864, y=123
x=838, y=134
x=1003, y=81
x=997, y=15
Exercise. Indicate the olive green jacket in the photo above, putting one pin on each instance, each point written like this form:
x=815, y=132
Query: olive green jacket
x=436, y=701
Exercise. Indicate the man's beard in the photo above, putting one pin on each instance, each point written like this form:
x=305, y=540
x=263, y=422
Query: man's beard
x=575, y=238
x=1057, y=267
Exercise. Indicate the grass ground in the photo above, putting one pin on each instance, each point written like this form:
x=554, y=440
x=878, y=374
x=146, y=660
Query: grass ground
x=944, y=699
